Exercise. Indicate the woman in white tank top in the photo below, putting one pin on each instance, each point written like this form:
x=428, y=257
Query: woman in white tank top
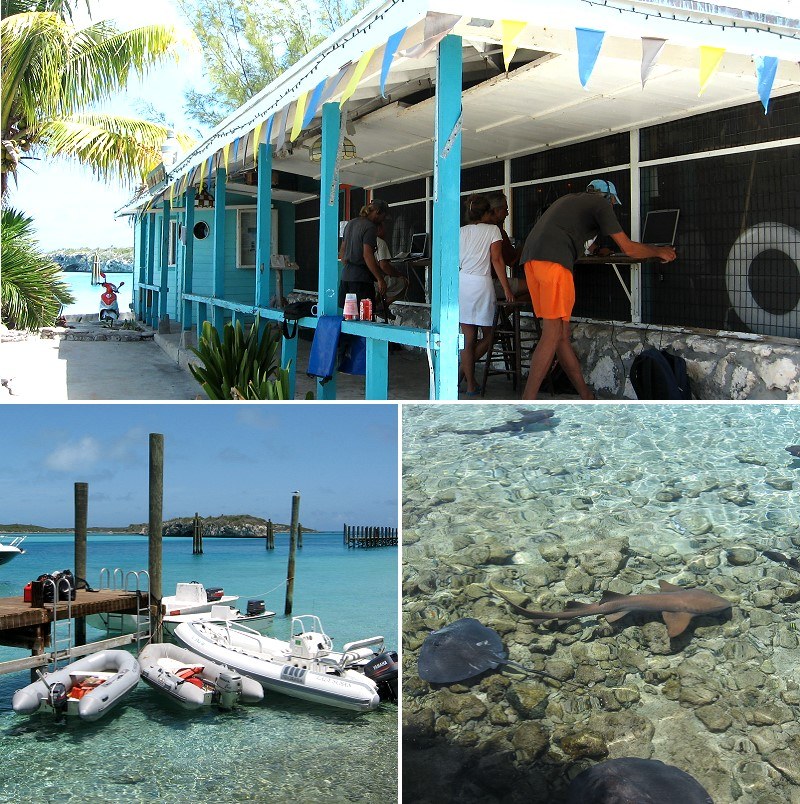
x=480, y=250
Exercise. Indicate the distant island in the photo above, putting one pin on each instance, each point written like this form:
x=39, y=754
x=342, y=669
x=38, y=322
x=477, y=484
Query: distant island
x=237, y=526
x=112, y=260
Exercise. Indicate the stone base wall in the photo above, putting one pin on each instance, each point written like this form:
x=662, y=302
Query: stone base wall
x=721, y=366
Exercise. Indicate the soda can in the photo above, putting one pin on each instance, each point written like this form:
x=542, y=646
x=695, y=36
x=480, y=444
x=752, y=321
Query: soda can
x=366, y=309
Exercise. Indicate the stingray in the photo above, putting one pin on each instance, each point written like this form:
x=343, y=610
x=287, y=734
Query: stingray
x=794, y=450
x=462, y=650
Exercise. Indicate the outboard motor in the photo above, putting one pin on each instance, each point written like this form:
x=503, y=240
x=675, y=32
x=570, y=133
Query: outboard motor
x=58, y=698
x=214, y=593
x=255, y=607
x=229, y=689
x=385, y=672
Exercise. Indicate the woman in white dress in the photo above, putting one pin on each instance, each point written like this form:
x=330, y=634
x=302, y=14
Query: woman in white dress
x=481, y=250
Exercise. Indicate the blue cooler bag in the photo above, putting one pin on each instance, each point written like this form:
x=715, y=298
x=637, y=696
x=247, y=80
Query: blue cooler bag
x=354, y=355
x=325, y=347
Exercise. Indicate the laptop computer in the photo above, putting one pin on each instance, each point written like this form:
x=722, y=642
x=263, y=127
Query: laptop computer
x=660, y=226
x=417, y=250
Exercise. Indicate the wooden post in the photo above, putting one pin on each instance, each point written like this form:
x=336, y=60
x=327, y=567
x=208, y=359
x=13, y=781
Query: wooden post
x=155, y=530
x=299, y=536
x=292, y=548
x=81, y=514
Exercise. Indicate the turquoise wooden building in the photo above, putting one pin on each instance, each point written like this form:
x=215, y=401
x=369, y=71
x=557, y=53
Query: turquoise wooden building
x=423, y=101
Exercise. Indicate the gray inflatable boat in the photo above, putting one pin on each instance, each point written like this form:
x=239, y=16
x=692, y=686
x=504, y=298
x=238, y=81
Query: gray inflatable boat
x=88, y=688
x=194, y=682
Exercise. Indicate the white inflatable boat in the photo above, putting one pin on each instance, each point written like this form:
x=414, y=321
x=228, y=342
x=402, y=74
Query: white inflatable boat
x=193, y=682
x=88, y=688
x=221, y=614
x=307, y=667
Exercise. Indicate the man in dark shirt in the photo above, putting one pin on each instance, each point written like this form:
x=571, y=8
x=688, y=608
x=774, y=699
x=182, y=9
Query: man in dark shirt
x=562, y=235
x=361, y=273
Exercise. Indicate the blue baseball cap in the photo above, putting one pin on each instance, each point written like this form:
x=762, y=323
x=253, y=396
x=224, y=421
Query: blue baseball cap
x=607, y=188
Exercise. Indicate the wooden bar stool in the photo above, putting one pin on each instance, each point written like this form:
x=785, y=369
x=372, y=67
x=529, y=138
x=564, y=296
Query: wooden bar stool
x=508, y=342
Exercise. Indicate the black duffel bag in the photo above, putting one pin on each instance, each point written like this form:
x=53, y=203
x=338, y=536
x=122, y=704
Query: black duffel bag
x=63, y=581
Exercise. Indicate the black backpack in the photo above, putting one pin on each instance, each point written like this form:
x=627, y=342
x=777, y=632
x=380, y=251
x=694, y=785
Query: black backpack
x=660, y=375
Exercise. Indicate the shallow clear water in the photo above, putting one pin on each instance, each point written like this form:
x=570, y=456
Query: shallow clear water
x=281, y=750
x=87, y=296
x=613, y=497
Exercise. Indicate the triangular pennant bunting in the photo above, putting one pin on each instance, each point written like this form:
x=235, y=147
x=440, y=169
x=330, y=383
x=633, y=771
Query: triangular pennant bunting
x=256, y=140
x=356, y=77
x=281, y=140
x=226, y=150
x=510, y=30
x=388, y=57
x=766, y=67
x=589, y=44
x=437, y=26
x=710, y=57
x=313, y=103
x=299, y=112
x=651, y=50
x=332, y=84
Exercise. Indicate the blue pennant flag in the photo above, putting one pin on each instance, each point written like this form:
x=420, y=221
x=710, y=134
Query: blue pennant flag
x=313, y=103
x=388, y=57
x=589, y=44
x=766, y=67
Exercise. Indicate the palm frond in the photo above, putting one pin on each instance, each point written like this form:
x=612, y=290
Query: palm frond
x=112, y=146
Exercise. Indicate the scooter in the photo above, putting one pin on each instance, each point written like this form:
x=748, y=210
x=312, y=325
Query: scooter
x=109, y=307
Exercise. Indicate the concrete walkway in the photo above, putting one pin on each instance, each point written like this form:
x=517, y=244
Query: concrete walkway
x=91, y=362
x=60, y=369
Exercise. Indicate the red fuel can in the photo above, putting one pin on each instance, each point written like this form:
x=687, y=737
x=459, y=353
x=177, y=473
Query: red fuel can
x=26, y=593
x=366, y=310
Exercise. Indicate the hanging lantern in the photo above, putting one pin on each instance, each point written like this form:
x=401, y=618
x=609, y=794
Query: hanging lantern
x=348, y=150
x=204, y=198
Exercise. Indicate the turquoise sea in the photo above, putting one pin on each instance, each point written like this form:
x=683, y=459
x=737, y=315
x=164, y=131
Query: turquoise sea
x=87, y=296
x=281, y=750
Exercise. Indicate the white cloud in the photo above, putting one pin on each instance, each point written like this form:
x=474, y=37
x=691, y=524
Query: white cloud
x=80, y=454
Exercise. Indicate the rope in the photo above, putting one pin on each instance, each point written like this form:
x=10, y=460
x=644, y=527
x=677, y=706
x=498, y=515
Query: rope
x=268, y=592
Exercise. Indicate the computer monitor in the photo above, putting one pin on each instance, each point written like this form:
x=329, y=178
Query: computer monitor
x=419, y=245
x=660, y=226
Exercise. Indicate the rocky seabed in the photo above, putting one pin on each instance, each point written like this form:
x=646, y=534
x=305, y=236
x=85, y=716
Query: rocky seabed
x=569, y=513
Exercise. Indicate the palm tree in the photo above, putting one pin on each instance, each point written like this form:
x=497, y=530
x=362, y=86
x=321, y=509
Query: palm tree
x=30, y=287
x=54, y=75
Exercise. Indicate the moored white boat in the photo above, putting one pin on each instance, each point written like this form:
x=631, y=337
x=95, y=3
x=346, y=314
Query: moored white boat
x=194, y=682
x=306, y=667
x=189, y=598
x=11, y=549
x=221, y=614
x=88, y=688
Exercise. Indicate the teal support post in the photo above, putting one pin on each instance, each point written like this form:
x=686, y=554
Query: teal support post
x=218, y=258
x=264, y=225
x=377, y=369
x=188, y=255
x=289, y=358
x=141, y=296
x=151, y=267
x=446, y=217
x=163, y=318
x=328, y=303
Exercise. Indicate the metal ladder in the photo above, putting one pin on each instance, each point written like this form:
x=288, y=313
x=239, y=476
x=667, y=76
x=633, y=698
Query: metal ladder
x=144, y=625
x=61, y=638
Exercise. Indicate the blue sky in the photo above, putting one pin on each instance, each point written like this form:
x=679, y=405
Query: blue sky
x=233, y=458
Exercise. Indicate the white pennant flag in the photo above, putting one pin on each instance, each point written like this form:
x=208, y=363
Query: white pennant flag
x=651, y=50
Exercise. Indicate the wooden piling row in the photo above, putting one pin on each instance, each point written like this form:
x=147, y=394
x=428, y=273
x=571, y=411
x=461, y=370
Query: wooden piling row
x=369, y=536
x=270, y=540
x=197, y=536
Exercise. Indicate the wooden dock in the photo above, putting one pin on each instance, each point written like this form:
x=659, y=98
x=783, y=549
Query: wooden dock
x=369, y=536
x=23, y=625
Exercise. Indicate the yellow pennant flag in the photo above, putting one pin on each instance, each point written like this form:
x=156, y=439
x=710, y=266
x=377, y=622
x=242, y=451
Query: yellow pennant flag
x=510, y=30
x=356, y=77
x=299, y=113
x=225, y=151
x=710, y=57
x=171, y=194
x=256, y=138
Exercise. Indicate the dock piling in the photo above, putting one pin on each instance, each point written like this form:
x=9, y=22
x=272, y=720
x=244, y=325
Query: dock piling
x=369, y=536
x=81, y=518
x=292, y=549
x=197, y=536
x=155, y=530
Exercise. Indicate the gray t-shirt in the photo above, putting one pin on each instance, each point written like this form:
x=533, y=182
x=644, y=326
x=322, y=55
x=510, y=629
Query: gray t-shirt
x=560, y=235
x=358, y=233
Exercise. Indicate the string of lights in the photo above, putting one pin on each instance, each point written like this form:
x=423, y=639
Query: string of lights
x=680, y=18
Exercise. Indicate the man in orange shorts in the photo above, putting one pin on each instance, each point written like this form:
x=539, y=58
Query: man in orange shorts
x=557, y=240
